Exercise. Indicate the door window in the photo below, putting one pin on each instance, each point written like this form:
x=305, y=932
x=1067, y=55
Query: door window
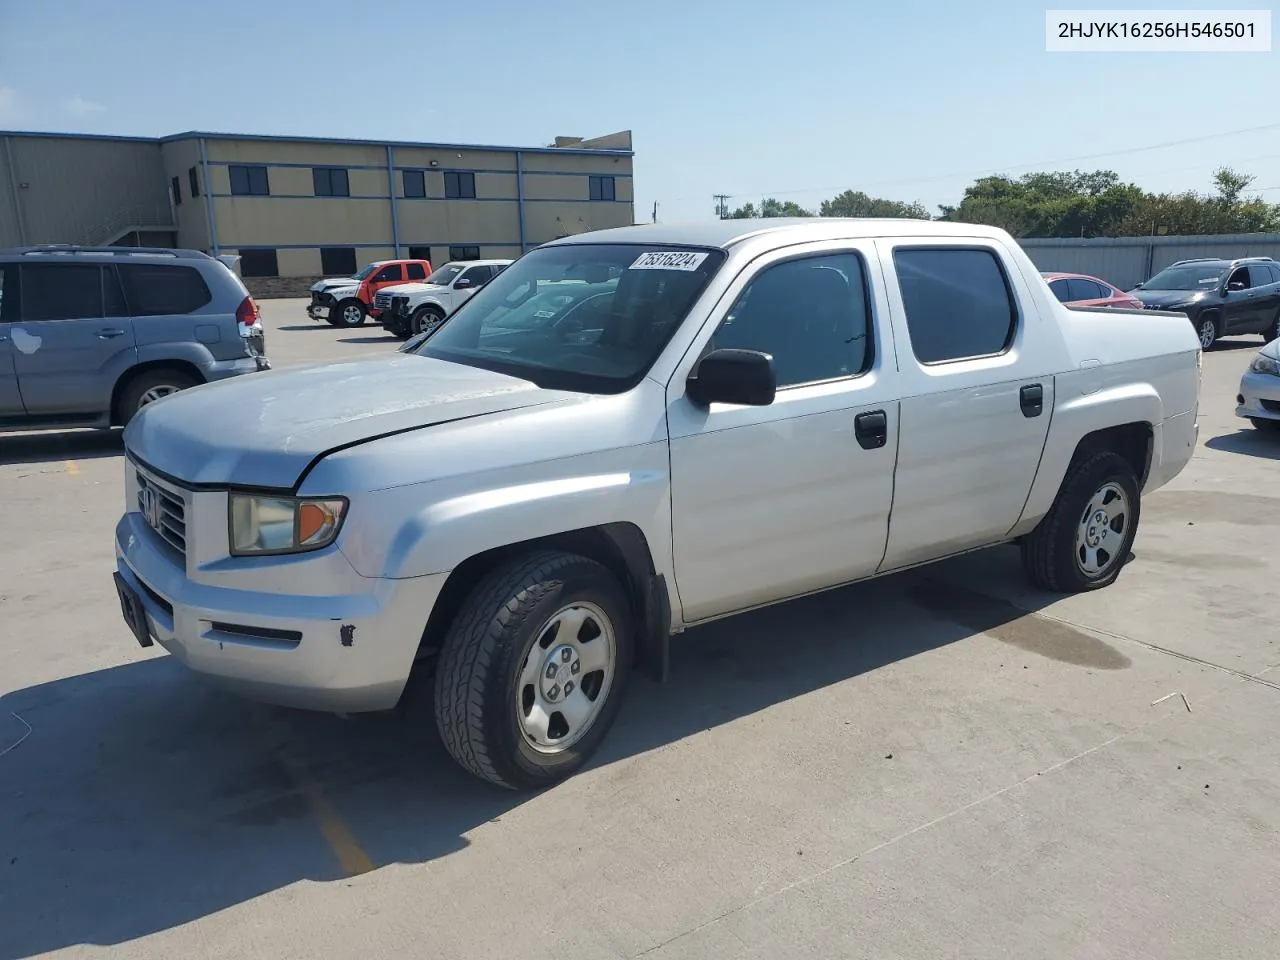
x=1239, y=279
x=1059, y=289
x=957, y=301
x=155, y=290
x=812, y=315
x=416, y=271
x=61, y=291
x=1082, y=289
x=389, y=272
x=477, y=275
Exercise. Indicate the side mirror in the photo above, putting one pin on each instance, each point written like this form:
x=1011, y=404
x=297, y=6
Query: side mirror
x=743, y=377
x=463, y=285
x=1137, y=286
x=1234, y=285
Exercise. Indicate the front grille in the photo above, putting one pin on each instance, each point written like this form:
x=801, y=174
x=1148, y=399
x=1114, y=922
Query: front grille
x=1272, y=405
x=382, y=301
x=165, y=512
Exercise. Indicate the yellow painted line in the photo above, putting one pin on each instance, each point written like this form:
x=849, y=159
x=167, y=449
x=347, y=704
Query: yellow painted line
x=351, y=856
x=73, y=468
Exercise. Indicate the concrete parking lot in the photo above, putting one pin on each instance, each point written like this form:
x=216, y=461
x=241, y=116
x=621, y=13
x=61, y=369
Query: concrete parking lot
x=944, y=763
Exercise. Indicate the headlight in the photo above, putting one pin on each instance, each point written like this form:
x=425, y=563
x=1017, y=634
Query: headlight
x=1263, y=364
x=270, y=525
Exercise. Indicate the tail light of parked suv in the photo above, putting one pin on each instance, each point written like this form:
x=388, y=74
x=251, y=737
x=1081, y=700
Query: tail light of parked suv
x=249, y=317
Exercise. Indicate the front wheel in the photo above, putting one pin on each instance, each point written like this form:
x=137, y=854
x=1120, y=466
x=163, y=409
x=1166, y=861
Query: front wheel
x=1084, y=540
x=348, y=313
x=1273, y=331
x=1207, y=331
x=532, y=672
x=425, y=320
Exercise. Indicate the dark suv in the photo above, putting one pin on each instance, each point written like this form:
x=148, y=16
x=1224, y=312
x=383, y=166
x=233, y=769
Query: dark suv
x=1221, y=297
x=90, y=335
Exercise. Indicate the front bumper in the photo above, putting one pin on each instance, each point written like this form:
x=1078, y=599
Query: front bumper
x=395, y=318
x=1259, y=397
x=339, y=652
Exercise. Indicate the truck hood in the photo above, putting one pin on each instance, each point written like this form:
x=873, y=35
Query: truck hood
x=266, y=429
x=403, y=289
x=328, y=283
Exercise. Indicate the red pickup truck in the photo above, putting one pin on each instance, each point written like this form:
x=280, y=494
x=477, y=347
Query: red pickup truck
x=346, y=301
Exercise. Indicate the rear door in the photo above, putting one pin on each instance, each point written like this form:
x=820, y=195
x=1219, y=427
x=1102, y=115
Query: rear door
x=170, y=304
x=72, y=338
x=1266, y=290
x=10, y=397
x=976, y=363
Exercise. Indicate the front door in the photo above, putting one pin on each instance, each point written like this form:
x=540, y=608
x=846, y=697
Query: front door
x=385, y=277
x=10, y=399
x=977, y=364
x=467, y=283
x=777, y=501
x=69, y=341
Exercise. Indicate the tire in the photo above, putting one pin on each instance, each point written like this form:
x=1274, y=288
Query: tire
x=348, y=313
x=1208, y=330
x=495, y=661
x=424, y=319
x=1055, y=555
x=148, y=385
x=1265, y=425
x=1272, y=331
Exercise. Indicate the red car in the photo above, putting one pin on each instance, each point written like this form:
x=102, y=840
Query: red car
x=1082, y=290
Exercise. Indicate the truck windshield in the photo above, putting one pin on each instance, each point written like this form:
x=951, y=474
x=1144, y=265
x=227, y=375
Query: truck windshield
x=1199, y=277
x=366, y=271
x=589, y=317
x=444, y=276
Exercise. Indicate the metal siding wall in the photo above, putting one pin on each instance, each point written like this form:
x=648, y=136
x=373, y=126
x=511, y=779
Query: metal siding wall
x=78, y=189
x=193, y=221
x=1124, y=261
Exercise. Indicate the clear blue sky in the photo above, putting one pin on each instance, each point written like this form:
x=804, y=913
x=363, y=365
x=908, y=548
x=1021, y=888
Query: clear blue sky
x=798, y=99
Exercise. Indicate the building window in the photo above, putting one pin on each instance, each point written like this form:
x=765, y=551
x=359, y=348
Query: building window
x=459, y=186
x=259, y=263
x=420, y=253
x=248, y=181
x=331, y=181
x=602, y=188
x=469, y=252
x=957, y=303
x=176, y=186
x=193, y=179
x=338, y=261
x=415, y=184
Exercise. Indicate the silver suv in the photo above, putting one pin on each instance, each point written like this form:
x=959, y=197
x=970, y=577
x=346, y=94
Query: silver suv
x=90, y=335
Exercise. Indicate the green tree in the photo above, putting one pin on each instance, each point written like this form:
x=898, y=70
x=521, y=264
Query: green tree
x=855, y=203
x=770, y=207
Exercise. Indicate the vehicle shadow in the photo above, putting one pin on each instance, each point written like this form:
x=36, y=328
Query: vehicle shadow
x=1250, y=442
x=384, y=338
x=60, y=445
x=1237, y=343
x=141, y=799
x=318, y=325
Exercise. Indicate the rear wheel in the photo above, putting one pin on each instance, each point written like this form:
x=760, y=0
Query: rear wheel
x=348, y=313
x=1208, y=332
x=149, y=386
x=532, y=672
x=425, y=320
x=1084, y=540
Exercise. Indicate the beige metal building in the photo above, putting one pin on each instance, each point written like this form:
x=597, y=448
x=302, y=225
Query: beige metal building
x=295, y=209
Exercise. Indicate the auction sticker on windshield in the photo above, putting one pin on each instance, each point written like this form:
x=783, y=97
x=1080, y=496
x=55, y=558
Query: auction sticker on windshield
x=681, y=260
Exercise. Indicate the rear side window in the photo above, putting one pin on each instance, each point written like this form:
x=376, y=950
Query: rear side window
x=1059, y=288
x=61, y=291
x=416, y=271
x=154, y=290
x=1082, y=289
x=957, y=301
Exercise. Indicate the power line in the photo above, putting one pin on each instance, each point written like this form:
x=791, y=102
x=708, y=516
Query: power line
x=1022, y=166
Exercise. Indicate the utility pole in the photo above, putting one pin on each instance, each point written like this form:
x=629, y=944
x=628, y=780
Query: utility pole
x=655, y=211
x=722, y=205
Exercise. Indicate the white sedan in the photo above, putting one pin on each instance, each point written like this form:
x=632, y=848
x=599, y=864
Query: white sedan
x=1259, y=397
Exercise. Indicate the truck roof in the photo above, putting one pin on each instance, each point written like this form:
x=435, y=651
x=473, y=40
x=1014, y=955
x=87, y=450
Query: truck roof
x=726, y=233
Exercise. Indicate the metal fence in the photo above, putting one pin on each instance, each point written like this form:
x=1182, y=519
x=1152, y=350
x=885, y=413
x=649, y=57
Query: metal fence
x=1125, y=261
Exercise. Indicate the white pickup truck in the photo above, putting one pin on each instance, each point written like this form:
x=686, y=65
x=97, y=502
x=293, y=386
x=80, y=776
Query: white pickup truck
x=526, y=506
x=408, y=309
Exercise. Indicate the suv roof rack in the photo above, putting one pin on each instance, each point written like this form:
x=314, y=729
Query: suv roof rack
x=1178, y=263
x=72, y=248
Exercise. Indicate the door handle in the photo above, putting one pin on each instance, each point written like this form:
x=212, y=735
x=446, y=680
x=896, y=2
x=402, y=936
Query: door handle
x=108, y=332
x=871, y=429
x=1032, y=399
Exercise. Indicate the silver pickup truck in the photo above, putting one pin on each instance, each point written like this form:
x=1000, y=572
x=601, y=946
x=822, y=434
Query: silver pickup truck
x=695, y=421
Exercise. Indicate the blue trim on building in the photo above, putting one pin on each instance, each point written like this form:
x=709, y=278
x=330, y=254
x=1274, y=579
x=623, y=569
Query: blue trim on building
x=520, y=198
x=366, y=246
x=208, y=200
x=292, y=196
x=296, y=166
x=311, y=196
x=391, y=198
x=570, y=173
